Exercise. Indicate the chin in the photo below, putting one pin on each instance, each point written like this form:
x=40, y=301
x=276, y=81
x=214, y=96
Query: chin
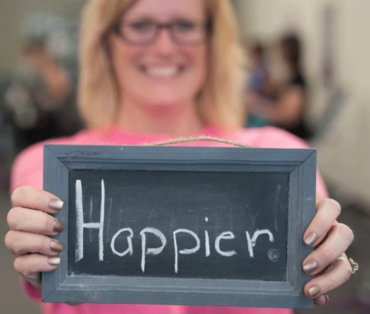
x=167, y=101
x=166, y=96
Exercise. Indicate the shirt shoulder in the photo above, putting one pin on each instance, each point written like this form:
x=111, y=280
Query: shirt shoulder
x=268, y=137
x=272, y=137
x=27, y=168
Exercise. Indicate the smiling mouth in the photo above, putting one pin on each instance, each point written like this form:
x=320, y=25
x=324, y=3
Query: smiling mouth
x=162, y=72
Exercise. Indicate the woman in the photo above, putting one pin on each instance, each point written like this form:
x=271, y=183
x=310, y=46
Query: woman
x=284, y=102
x=153, y=70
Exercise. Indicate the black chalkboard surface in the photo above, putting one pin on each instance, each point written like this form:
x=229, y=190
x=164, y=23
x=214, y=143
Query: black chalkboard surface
x=232, y=203
x=181, y=225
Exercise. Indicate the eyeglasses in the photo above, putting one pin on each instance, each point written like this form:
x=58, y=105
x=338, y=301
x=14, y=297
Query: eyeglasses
x=182, y=32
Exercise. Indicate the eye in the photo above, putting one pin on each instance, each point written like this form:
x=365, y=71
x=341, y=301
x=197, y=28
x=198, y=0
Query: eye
x=184, y=26
x=142, y=27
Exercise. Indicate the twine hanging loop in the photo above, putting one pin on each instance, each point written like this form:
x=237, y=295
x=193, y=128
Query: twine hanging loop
x=197, y=139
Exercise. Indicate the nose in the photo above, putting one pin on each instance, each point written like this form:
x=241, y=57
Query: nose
x=164, y=45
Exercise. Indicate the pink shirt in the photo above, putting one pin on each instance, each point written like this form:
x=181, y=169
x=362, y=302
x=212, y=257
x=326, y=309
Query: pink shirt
x=28, y=170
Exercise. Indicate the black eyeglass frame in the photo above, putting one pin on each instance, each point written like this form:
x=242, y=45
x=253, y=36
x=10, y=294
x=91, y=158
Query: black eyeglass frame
x=208, y=26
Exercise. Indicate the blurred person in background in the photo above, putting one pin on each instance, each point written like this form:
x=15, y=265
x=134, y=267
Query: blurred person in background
x=7, y=153
x=154, y=70
x=259, y=74
x=258, y=79
x=42, y=97
x=285, y=102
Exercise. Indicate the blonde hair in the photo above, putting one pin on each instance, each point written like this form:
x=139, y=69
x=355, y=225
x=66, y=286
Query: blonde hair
x=220, y=99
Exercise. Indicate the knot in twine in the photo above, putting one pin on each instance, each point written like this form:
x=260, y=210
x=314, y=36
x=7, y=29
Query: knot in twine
x=197, y=139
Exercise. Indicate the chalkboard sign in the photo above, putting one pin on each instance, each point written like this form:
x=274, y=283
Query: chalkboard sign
x=181, y=225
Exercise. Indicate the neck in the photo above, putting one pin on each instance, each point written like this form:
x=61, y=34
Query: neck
x=180, y=120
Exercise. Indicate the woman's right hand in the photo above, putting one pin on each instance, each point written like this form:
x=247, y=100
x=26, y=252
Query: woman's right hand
x=30, y=227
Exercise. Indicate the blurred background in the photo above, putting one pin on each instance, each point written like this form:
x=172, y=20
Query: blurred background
x=307, y=71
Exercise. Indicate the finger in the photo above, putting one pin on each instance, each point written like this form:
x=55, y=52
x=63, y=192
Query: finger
x=29, y=267
x=322, y=299
x=335, y=275
x=22, y=219
x=73, y=304
x=339, y=239
x=327, y=212
x=29, y=197
x=21, y=243
x=318, y=199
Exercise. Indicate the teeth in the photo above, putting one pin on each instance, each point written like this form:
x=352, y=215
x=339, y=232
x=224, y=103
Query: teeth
x=162, y=71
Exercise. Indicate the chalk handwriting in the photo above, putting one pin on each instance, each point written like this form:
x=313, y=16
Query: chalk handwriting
x=185, y=251
x=206, y=236
x=150, y=251
x=80, y=224
x=273, y=254
x=252, y=242
x=226, y=236
x=129, y=242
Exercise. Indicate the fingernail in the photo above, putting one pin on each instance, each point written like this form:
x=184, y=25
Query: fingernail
x=54, y=261
x=327, y=297
x=56, y=246
x=56, y=204
x=58, y=226
x=314, y=291
x=310, y=239
x=309, y=267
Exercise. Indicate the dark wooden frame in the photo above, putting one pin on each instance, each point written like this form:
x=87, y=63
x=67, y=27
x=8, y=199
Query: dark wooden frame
x=300, y=164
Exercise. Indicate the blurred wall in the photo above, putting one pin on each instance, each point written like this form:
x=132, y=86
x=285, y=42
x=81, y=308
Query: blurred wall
x=13, y=12
x=267, y=19
x=344, y=151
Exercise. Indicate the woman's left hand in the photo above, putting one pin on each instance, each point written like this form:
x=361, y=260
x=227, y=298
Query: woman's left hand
x=331, y=240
